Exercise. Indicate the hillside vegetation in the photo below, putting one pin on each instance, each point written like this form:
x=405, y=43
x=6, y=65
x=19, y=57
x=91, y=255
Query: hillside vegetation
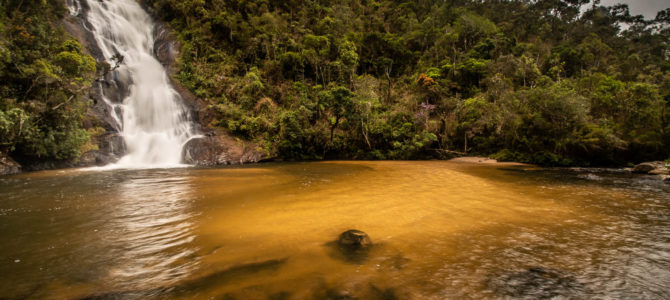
x=532, y=81
x=43, y=77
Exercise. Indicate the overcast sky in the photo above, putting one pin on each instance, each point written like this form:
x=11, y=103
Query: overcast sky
x=648, y=8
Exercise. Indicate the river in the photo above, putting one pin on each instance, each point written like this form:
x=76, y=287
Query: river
x=440, y=230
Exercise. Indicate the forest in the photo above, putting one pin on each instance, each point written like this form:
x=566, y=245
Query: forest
x=44, y=77
x=551, y=82
x=530, y=81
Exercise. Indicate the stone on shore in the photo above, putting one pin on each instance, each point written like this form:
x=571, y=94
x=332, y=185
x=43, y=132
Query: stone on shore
x=654, y=167
x=8, y=166
x=221, y=149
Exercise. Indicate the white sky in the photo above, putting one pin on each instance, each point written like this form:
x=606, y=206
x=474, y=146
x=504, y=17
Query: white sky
x=648, y=8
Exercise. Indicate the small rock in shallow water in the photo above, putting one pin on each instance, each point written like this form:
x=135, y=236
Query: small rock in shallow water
x=352, y=246
x=590, y=176
x=340, y=295
x=354, y=240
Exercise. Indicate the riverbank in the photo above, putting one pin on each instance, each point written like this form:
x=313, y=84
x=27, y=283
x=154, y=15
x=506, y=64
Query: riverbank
x=657, y=170
x=223, y=150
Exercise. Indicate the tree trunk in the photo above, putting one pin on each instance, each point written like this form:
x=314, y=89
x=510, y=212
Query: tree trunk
x=465, y=147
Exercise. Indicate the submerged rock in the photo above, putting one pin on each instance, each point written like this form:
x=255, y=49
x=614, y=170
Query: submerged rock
x=358, y=289
x=590, y=176
x=8, y=166
x=188, y=288
x=340, y=295
x=536, y=283
x=354, y=240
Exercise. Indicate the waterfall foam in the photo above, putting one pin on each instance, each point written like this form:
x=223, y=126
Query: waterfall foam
x=153, y=121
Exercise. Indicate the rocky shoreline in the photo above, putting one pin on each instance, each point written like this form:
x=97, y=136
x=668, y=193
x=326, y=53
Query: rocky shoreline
x=659, y=169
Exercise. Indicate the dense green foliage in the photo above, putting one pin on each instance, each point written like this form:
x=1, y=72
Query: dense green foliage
x=532, y=81
x=43, y=74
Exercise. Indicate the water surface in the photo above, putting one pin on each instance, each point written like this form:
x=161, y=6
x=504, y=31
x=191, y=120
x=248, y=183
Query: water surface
x=442, y=230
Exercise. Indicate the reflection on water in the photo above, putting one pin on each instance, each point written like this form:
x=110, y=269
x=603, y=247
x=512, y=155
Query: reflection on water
x=82, y=231
x=153, y=223
x=440, y=230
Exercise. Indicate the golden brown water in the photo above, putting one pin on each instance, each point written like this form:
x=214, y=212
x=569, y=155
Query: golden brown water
x=441, y=230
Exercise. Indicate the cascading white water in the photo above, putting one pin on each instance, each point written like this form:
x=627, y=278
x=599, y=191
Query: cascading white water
x=153, y=118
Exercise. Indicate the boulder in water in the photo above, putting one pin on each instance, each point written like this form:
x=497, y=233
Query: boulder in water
x=352, y=246
x=653, y=167
x=340, y=295
x=354, y=240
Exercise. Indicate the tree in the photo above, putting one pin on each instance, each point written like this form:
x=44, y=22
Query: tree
x=339, y=102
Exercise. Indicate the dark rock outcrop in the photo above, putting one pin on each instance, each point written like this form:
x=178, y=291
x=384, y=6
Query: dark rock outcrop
x=31, y=166
x=166, y=47
x=8, y=166
x=221, y=149
x=113, y=144
x=100, y=114
x=111, y=147
x=167, y=50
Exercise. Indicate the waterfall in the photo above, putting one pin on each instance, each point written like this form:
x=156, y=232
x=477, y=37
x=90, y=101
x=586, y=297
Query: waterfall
x=152, y=119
